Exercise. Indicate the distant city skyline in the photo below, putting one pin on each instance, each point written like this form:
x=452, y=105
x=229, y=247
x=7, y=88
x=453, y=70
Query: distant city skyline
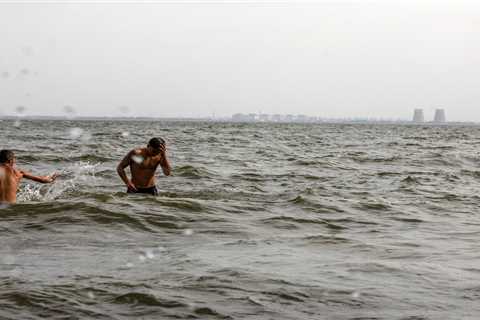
x=437, y=115
x=439, y=118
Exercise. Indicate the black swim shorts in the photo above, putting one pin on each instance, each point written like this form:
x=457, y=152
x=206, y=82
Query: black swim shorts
x=152, y=190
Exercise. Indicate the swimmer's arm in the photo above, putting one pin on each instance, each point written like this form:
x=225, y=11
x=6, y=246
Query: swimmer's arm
x=41, y=179
x=121, y=169
x=164, y=163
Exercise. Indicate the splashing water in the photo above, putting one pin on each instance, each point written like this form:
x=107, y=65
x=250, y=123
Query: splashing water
x=29, y=193
x=125, y=134
x=83, y=173
x=80, y=173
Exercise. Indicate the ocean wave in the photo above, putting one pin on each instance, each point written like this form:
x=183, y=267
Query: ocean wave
x=302, y=221
x=188, y=171
x=140, y=298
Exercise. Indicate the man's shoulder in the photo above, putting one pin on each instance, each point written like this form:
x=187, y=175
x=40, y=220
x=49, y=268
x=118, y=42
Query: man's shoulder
x=11, y=172
x=138, y=151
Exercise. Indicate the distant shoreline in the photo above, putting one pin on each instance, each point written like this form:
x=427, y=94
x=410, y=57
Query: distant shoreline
x=229, y=120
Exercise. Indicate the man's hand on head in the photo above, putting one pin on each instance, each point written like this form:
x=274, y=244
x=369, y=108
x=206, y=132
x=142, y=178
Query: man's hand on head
x=163, y=148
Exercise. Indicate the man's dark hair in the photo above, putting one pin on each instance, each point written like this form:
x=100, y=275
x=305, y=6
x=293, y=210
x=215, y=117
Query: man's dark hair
x=6, y=156
x=156, y=142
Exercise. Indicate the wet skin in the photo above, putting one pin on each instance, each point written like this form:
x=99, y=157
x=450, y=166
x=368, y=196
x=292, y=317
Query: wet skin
x=143, y=164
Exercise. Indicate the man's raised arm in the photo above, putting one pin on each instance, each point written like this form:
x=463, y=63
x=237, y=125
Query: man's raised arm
x=164, y=163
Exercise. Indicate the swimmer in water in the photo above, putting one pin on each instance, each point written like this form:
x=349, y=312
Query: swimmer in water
x=10, y=177
x=143, y=163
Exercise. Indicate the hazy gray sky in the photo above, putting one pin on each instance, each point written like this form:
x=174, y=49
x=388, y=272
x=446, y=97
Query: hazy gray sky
x=196, y=58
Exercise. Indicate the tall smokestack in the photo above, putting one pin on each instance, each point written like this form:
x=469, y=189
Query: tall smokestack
x=418, y=116
x=439, y=116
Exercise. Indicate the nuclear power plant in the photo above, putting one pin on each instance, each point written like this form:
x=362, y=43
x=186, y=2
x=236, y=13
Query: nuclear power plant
x=419, y=117
x=439, y=116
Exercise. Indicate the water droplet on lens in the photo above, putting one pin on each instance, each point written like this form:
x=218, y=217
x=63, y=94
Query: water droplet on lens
x=124, y=109
x=149, y=254
x=86, y=136
x=70, y=111
x=75, y=133
x=8, y=259
x=20, y=109
x=15, y=272
x=28, y=51
x=188, y=232
x=137, y=159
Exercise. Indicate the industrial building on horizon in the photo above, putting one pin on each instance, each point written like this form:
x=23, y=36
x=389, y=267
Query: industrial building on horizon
x=439, y=117
x=418, y=116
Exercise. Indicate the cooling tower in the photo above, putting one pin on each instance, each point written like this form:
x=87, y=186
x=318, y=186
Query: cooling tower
x=439, y=116
x=418, y=116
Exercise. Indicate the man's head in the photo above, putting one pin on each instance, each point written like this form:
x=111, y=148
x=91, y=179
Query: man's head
x=7, y=157
x=155, y=145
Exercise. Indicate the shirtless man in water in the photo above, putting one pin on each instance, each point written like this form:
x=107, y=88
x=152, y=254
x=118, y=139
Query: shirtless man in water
x=143, y=163
x=10, y=177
